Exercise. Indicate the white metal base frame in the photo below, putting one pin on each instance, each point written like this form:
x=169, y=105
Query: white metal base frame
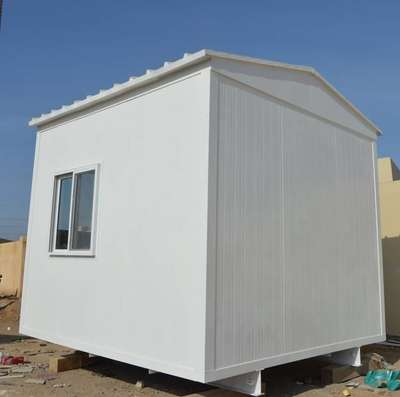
x=249, y=383
x=347, y=357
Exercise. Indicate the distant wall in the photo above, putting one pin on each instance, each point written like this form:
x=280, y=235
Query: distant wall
x=389, y=190
x=12, y=258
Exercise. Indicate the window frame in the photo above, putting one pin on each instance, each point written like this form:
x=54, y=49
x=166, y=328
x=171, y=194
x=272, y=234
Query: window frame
x=74, y=172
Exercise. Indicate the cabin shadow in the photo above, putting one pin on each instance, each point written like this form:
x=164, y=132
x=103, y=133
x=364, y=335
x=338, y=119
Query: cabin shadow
x=391, y=271
x=5, y=338
x=289, y=380
x=157, y=381
x=391, y=251
x=294, y=378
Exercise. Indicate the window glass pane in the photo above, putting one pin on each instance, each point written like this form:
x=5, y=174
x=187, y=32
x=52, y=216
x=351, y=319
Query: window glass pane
x=82, y=229
x=64, y=203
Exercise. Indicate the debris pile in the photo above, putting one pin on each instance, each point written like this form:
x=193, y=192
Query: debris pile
x=373, y=362
x=13, y=367
x=383, y=379
x=11, y=360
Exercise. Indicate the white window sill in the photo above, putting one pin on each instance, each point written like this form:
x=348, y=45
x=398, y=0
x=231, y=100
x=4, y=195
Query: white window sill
x=85, y=254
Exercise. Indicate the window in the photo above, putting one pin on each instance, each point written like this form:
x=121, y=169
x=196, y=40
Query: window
x=73, y=214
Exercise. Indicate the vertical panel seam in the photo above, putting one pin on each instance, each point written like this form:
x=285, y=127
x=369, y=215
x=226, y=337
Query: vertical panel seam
x=378, y=240
x=336, y=215
x=217, y=155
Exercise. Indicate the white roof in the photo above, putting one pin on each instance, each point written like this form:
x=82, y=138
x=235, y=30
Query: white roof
x=172, y=67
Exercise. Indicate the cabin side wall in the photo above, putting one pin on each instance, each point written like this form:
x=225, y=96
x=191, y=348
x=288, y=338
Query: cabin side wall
x=295, y=263
x=141, y=298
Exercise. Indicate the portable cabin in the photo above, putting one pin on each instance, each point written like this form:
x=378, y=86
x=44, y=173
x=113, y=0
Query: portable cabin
x=212, y=218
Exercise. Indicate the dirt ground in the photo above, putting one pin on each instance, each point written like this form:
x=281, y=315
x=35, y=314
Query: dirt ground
x=111, y=378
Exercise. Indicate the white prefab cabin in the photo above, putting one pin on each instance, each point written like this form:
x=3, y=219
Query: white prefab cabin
x=209, y=219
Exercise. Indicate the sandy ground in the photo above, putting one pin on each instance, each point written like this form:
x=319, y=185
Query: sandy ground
x=111, y=378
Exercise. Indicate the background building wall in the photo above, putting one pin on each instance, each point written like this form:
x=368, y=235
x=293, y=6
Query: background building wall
x=389, y=189
x=12, y=258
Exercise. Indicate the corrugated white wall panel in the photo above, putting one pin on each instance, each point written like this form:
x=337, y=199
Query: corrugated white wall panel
x=358, y=236
x=249, y=231
x=297, y=270
x=310, y=231
x=330, y=235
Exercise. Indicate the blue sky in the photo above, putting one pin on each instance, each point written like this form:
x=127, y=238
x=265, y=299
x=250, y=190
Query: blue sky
x=53, y=52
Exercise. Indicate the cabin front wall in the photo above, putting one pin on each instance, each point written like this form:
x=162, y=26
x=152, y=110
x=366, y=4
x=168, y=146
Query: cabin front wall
x=296, y=256
x=141, y=298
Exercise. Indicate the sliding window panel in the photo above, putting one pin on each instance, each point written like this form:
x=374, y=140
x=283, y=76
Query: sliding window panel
x=63, y=211
x=83, y=211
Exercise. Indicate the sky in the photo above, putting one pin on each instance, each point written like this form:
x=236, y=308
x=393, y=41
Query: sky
x=54, y=52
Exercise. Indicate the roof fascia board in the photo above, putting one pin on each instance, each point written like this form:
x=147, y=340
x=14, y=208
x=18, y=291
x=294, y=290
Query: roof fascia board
x=151, y=76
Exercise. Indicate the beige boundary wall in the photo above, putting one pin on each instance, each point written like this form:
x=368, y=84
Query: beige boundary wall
x=12, y=258
x=389, y=190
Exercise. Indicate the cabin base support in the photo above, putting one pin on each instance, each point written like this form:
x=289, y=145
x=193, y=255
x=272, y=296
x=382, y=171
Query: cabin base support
x=71, y=361
x=350, y=357
x=249, y=383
